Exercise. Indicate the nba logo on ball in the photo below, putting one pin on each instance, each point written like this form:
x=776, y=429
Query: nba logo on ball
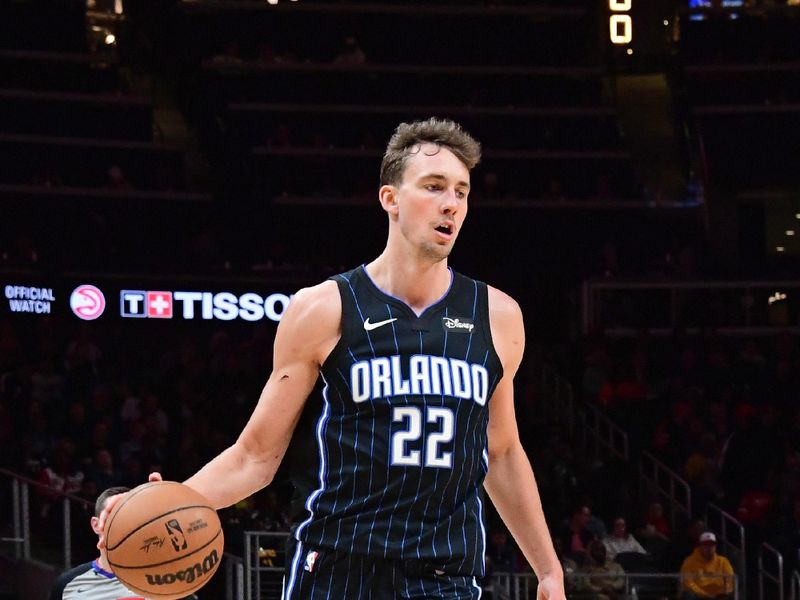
x=87, y=302
x=164, y=540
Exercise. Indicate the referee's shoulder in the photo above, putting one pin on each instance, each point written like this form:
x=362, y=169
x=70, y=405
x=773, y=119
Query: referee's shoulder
x=61, y=582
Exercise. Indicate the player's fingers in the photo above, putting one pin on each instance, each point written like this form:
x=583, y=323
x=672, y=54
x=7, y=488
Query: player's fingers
x=101, y=521
x=154, y=476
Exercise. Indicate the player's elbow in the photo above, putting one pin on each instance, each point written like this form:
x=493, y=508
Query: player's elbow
x=498, y=452
x=259, y=463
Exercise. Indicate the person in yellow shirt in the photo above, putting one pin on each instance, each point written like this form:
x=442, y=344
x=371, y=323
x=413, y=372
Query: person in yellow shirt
x=706, y=574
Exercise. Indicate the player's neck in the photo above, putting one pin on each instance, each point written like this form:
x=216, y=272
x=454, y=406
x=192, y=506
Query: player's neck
x=417, y=283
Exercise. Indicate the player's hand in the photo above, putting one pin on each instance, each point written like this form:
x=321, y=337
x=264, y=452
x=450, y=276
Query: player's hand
x=110, y=504
x=551, y=588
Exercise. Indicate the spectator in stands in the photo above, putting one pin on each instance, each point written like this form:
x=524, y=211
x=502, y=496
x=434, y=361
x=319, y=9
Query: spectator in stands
x=572, y=580
x=117, y=180
x=555, y=191
x=574, y=533
x=604, y=578
x=620, y=540
x=655, y=523
x=229, y=55
x=60, y=476
x=102, y=470
x=706, y=574
x=351, y=53
x=682, y=545
x=501, y=552
x=702, y=471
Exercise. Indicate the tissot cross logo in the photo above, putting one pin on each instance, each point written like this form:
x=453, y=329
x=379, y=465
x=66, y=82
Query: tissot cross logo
x=140, y=304
x=370, y=326
x=159, y=305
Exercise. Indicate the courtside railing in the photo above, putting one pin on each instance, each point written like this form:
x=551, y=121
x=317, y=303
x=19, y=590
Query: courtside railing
x=24, y=538
x=264, y=565
x=595, y=430
x=601, y=433
x=795, y=585
x=746, y=307
x=730, y=537
x=658, y=479
x=770, y=573
x=234, y=577
x=558, y=398
x=522, y=586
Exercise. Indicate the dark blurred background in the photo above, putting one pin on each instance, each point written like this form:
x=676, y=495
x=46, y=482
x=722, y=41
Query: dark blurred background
x=172, y=171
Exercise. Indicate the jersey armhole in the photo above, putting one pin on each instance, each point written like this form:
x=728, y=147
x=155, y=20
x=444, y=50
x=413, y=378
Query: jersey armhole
x=483, y=290
x=341, y=345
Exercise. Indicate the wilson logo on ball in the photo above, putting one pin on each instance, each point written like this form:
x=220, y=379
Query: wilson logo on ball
x=189, y=575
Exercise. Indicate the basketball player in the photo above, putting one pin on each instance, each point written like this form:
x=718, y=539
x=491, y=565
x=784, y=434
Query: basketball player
x=418, y=364
x=93, y=580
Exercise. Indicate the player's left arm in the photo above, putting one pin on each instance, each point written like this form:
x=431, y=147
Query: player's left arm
x=510, y=482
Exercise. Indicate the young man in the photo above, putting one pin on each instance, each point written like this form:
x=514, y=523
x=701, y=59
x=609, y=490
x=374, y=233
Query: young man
x=93, y=580
x=418, y=364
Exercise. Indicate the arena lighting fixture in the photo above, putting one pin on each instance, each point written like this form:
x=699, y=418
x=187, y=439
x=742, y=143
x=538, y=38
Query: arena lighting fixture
x=780, y=248
x=110, y=39
x=776, y=297
x=797, y=215
x=790, y=232
x=629, y=51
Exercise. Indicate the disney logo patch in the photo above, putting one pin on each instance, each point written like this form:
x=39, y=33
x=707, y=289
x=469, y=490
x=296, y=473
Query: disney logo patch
x=458, y=324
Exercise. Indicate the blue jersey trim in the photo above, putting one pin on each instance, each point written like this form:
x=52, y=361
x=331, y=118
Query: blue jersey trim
x=100, y=570
x=437, y=301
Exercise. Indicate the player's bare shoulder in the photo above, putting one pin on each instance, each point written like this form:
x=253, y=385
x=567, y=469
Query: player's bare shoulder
x=313, y=319
x=508, y=330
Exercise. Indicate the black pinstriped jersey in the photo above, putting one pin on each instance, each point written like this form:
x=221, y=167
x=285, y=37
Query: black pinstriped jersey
x=402, y=434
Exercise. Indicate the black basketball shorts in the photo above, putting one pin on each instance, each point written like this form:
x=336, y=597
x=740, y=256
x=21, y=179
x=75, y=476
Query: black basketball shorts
x=325, y=574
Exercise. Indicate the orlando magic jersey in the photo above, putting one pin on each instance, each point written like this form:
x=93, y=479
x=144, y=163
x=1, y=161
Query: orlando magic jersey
x=402, y=434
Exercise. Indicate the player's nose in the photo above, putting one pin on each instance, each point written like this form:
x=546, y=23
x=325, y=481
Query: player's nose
x=449, y=203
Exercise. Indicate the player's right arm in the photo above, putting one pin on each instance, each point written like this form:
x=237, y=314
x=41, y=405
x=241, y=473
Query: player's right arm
x=307, y=333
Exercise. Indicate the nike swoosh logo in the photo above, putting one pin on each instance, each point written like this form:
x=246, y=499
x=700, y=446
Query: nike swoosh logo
x=370, y=326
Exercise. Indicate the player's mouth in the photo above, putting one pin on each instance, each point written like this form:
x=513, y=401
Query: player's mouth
x=446, y=230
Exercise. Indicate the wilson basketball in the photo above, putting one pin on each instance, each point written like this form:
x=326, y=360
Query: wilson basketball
x=164, y=540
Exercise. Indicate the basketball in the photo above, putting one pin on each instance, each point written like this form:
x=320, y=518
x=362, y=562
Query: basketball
x=163, y=540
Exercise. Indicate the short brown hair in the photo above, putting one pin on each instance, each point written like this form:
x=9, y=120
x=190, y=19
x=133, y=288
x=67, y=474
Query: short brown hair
x=100, y=503
x=408, y=136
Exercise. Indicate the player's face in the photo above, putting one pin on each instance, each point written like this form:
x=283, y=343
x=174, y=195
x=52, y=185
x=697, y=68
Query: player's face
x=432, y=200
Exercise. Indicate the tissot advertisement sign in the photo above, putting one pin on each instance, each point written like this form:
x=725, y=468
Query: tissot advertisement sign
x=102, y=300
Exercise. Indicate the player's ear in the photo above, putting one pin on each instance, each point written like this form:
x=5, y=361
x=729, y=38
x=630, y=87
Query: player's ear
x=388, y=198
x=96, y=525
